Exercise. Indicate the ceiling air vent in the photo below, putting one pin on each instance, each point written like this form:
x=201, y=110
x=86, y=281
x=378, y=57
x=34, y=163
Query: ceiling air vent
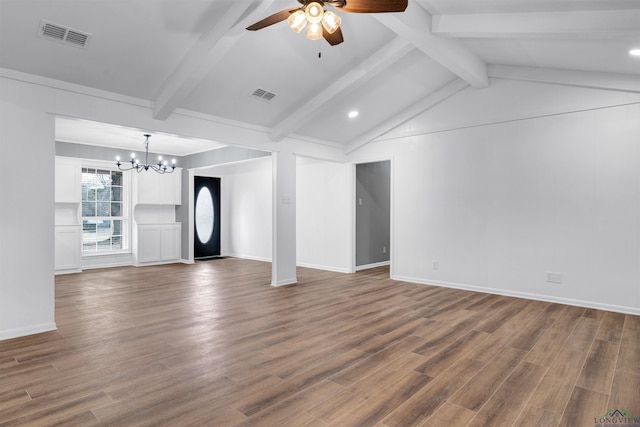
x=263, y=94
x=63, y=34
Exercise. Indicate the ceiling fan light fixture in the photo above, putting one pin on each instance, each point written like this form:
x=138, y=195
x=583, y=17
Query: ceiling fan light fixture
x=331, y=22
x=297, y=21
x=314, y=31
x=314, y=12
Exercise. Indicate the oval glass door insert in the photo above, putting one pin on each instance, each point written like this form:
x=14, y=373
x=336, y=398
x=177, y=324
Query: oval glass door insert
x=204, y=215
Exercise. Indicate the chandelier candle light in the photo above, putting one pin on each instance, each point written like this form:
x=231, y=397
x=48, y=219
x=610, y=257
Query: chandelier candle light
x=317, y=18
x=161, y=167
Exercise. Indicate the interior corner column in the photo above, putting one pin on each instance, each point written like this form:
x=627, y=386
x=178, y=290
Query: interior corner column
x=283, y=270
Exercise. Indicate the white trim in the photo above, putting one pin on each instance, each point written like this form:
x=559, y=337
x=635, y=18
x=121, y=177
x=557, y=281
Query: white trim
x=392, y=229
x=70, y=271
x=73, y=88
x=220, y=120
x=374, y=265
x=525, y=295
x=353, y=208
x=106, y=265
x=498, y=120
x=324, y=267
x=559, y=24
x=585, y=79
x=250, y=257
x=318, y=141
x=190, y=212
x=452, y=54
x=352, y=218
x=105, y=253
x=28, y=330
x=284, y=282
x=106, y=260
x=186, y=261
x=152, y=263
x=222, y=165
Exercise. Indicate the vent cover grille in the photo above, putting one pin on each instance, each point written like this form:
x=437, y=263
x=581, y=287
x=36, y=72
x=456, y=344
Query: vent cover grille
x=263, y=94
x=76, y=37
x=54, y=31
x=63, y=34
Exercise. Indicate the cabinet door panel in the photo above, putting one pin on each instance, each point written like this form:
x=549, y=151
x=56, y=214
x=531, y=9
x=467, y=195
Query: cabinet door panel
x=67, y=180
x=67, y=248
x=148, y=187
x=170, y=243
x=150, y=244
x=155, y=189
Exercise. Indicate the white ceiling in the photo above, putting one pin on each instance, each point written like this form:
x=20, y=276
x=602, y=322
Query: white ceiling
x=78, y=131
x=197, y=56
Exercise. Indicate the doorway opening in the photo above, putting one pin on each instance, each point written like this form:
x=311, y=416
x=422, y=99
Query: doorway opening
x=373, y=215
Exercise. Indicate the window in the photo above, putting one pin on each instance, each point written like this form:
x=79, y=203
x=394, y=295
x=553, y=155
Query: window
x=104, y=211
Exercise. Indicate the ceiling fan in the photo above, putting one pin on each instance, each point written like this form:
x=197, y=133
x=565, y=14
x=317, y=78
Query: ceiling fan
x=325, y=23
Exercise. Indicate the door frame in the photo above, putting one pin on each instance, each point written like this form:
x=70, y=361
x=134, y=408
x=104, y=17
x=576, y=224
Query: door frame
x=192, y=206
x=209, y=182
x=353, y=208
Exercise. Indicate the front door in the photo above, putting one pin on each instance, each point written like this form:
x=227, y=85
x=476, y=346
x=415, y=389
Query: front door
x=206, y=217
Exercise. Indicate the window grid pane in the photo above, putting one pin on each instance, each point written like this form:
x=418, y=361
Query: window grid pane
x=102, y=211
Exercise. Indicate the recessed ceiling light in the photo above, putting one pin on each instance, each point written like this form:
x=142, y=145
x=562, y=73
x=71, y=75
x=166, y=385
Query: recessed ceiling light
x=634, y=52
x=353, y=114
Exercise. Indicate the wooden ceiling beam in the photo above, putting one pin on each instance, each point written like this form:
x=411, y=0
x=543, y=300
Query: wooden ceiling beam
x=414, y=25
x=205, y=55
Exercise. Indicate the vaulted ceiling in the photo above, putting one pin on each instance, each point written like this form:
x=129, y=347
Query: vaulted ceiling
x=197, y=56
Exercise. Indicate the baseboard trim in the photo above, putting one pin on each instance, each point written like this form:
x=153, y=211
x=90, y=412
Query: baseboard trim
x=524, y=295
x=323, y=267
x=27, y=330
x=249, y=257
x=62, y=272
x=284, y=282
x=374, y=265
x=108, y=265
x=151, y=264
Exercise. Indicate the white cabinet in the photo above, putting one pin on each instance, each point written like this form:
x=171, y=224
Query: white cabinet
x=68, y=247
x=170, y=242
x=158, y=243
x=68, y=232
x=155, y=189
x=68, y=180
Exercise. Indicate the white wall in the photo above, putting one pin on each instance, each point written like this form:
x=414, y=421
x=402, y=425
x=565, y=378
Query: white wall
x=498, y=206
x=324, y=213
x=245, y=207
x=26, y=220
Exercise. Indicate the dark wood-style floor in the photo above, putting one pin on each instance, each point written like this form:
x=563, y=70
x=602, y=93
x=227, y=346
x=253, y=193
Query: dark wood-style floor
x=214, y=344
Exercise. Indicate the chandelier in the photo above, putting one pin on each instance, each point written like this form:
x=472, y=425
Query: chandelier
x=161, y=167
x=317, y=18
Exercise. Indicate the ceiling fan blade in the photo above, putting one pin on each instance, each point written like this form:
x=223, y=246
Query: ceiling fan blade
x=272, y=19
x=333, y=39
x=373, y=6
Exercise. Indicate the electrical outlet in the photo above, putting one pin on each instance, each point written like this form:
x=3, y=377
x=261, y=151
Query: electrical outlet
x=554, y=277
x=384, y=249
x=435, y=265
